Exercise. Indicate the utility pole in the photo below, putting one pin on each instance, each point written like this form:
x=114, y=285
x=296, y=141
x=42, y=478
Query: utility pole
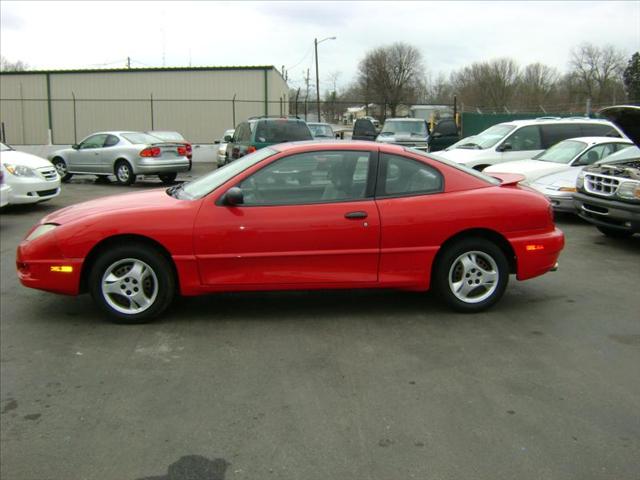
x=128, y=62
x=306, y=94
x=315, y=41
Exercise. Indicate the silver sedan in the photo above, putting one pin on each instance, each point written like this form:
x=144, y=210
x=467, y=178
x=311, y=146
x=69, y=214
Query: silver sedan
x=123, y=154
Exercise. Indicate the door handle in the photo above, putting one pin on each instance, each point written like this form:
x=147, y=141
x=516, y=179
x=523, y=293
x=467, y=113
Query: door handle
x=355, y=215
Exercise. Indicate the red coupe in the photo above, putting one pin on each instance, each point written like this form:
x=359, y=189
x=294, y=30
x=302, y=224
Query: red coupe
x=316, y=215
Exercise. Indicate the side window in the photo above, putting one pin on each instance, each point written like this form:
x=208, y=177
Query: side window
x=405, y=176
x=313, y=177
x=111, y=141
x=94, y=141
x=596, y=130
x=596, y=153
x=525, y=138
x=555, y=133
x=241, y=134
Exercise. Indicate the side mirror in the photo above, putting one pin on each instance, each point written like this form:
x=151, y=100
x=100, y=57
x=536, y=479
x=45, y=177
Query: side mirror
x=504, y=147
x=228, y=138
x=75, y=146
x=234, y=196
x=216, y=142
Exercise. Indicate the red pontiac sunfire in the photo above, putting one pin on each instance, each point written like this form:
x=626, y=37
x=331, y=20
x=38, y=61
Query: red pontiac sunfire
x=299, y=216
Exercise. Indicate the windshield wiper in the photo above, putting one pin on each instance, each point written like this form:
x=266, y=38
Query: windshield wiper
x=470, y=146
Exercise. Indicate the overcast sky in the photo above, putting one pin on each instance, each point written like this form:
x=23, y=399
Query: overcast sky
x=61, y=35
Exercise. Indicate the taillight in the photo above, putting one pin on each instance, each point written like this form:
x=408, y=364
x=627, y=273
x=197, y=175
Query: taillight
x=188, y=147
x=182, y=151
x=151, y=152
x=251, y=149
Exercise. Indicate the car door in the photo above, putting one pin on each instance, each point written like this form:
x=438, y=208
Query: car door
x=87, y=158
x=413, y=212
x=306, y=219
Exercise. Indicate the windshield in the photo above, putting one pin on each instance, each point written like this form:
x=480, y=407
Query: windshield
x=5, y=148
x=168, y=136
x=320, y=130
x=488, y=138
x=141, y=138
x=406, y=127
x=204, y=185
x=458, y=166
x=562, y=152
x=280, y=131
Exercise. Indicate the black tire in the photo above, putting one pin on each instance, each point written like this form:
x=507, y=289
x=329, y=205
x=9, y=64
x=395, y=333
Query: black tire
x=102, y=179
x=142, y=281
x=124, y=173
x=481, y=282
x=614, y=232
x=168, y=178
x=61, y=167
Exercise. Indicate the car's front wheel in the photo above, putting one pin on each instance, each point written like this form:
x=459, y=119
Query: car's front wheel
x=471, y=275
x=168, y=178
x=124, y=173
x=614, y=232
x=132, y=283
x=61, y=167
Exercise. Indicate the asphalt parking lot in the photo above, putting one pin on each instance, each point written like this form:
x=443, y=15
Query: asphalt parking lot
x=326, y=385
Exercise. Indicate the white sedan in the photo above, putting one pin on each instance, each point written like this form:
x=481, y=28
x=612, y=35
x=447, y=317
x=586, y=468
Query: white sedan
x=566, y=155
x=32, y=179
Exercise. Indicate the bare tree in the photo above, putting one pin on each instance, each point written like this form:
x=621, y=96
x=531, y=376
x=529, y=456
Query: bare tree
x=538, y=84
x=632, y=78
x=490, y=84
x=439, y=90
x=596, y=72
x=7, y=65
x=392, y=75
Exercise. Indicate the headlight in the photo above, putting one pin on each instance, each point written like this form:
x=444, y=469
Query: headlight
x=580, y=181
x=41, y=230
x=20, y=170
x=629, y=191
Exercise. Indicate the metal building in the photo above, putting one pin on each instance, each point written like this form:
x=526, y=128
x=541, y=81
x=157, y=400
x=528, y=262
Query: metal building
x=63, y=106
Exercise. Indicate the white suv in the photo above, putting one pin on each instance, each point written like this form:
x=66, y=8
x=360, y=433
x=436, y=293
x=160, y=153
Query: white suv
x=523, y=139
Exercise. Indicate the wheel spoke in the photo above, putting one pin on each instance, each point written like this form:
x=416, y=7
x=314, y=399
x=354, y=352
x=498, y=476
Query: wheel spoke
x=111, y=284
x=463, y=289
x=139, y=300
x=468, y=263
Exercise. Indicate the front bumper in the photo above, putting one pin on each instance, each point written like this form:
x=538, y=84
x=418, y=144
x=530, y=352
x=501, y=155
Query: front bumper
x=4, y=194
x=538, y=253
x=32, y=190
x=608, y=213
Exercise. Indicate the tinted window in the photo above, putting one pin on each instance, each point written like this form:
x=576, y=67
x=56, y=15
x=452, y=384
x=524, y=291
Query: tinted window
x=364, y=127
x=446, y=128
x=525, y=138
x=595, y=130
x=94, y=141
x=279, y=131
x=111, y=141
x=243, y=133
x=312, y=177
x=404, y=176
x=408, y=127
x=553, y=134
x=596, y=153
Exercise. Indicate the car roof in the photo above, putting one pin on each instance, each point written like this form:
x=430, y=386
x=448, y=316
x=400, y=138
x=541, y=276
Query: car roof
x=597, y=140
x=405, y=119
x=318, y=123
x=555, y=121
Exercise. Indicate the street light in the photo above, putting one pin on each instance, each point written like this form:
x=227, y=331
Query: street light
x=316, y=42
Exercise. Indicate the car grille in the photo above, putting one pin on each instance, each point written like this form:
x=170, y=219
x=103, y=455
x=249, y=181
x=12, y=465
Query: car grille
x=601, y=185
x=46, y=193
x=48, y=173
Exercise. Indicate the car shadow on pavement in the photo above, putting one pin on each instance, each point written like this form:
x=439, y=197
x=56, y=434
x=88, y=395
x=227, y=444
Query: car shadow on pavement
x=194, y=467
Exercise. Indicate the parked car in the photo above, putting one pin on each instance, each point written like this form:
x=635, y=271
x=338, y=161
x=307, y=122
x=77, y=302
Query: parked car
x=608, y=194
x=123, y=154
x=522, y=139
x=373, y=216
x=221, y=157
x=364, y=129
x=559, y=187
x=321, y=130
x=408, y=132
x=32, y=179
x=375, y=122
x=260, y=132
x=5, y=189
x=445, y=133
x=566, y=155
x=174, y=137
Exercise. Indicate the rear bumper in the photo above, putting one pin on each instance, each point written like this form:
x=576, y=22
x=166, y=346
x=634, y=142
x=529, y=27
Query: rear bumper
x=154, y=168
x=608, y=213
x=537, y=254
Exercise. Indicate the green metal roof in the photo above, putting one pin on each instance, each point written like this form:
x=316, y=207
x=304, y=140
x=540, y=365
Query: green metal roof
x=143, y=69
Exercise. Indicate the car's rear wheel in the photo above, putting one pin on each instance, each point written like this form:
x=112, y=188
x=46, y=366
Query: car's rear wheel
x=614, y=232
x=168, y=178
x=124, y=173
x=61, y=167
x=132, y=283
x=471, y=275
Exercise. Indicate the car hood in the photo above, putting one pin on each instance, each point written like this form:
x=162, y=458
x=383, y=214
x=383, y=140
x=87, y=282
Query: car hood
x=531, y=169
x=128, y=202
x=462, y=155
x=564, y=178
x=627, y=118
x=26, y=159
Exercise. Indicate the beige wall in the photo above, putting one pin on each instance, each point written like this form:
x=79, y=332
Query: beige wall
x=196, y=103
